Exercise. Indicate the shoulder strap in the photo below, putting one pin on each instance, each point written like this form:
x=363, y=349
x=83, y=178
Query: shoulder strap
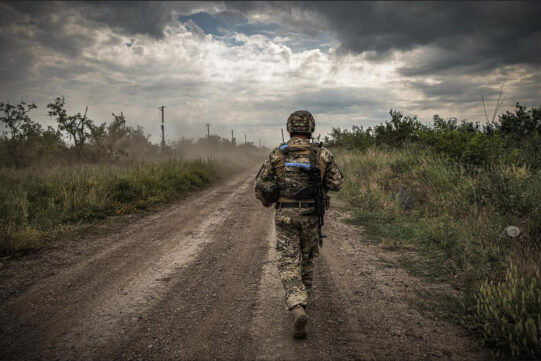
x=314, y=156
x=315, y=159
x=279, y=165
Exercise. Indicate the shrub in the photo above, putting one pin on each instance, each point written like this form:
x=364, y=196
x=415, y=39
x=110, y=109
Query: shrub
x=508, y=314
x=399, y=130
x=520, y=124
x=464, y=142
x=357, y=138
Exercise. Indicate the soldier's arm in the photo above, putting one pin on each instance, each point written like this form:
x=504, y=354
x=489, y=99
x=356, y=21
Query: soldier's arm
x=333, y=178
x=265, y=174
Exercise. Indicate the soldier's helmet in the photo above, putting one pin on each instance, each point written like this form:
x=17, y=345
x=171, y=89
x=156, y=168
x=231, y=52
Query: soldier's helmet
x=301, y=121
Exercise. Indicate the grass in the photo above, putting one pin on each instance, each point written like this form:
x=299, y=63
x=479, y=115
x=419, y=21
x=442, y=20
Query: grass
x=38, y=203
x=454, y=217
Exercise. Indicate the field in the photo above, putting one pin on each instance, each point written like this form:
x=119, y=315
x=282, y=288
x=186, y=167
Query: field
x=40, y=203
x=448, y=211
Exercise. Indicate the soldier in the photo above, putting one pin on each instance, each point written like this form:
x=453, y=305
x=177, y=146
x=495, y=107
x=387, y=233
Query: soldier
x=296, y=178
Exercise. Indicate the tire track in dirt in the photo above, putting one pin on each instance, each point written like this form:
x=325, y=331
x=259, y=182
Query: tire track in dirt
x=149, y=284
x=206, y=312
x=330, y=335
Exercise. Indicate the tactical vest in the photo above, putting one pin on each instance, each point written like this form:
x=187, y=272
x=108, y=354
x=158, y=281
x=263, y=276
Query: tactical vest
x=289, y=170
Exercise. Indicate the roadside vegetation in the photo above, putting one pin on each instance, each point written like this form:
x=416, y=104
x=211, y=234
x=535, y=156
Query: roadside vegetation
x=55, y=180
x=445, y=194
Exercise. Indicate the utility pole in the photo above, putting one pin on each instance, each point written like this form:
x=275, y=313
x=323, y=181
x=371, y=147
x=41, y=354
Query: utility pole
x=83, y=126
x=208, y=130
x=232, y=138
x=259, y=142
x=163, y=130
x=244, y=138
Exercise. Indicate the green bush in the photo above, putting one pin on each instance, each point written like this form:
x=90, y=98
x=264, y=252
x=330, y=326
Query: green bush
x=512, y=190
x=470, y=148
x=357, y=138
x=404, y=165
x=124, y=190
x=400, y=130
x=508, y=314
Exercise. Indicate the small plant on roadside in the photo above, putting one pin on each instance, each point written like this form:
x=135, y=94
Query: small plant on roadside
x=507, y=314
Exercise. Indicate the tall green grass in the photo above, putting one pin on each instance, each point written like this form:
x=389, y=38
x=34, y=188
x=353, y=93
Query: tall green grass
x=37, y=201
x=455, y=217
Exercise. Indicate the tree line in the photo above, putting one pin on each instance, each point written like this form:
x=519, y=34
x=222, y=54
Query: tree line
x=514, y=137
x=77, y=138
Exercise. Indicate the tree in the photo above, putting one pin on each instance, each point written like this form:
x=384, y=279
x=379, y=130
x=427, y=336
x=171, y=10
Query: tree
x=78, y=126
x=24, y=141
x=15, y=118
x=522, y=123
x=117, y=136
x=399, y=130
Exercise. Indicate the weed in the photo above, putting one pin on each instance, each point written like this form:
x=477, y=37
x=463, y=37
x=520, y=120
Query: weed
x=507, y=314
x=415, y=198
x=33, y=206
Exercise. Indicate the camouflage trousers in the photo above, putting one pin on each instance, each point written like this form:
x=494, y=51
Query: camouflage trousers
x=296, y=247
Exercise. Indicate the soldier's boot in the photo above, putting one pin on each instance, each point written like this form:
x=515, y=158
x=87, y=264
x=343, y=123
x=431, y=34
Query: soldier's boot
x=300, y=319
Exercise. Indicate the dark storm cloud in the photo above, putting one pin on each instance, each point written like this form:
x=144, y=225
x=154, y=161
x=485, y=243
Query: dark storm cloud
x=41, y=24
x=47, y=22
x=464, y=47
x=479, y=35
x=130, y=18
x=381, y=26
x=12, y=68
x=453, y=91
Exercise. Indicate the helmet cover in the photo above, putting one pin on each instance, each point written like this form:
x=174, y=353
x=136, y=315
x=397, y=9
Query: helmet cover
x=301, y=121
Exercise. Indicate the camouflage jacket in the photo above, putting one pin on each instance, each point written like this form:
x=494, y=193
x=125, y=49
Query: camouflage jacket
x=273, y=169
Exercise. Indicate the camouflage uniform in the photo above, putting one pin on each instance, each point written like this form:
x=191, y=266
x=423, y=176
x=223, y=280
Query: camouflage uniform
x=296, y=233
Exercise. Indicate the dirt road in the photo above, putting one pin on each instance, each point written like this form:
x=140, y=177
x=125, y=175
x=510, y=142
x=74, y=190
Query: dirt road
x=198, y=280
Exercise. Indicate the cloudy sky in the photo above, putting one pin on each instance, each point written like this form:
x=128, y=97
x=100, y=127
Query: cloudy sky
x=246, y=66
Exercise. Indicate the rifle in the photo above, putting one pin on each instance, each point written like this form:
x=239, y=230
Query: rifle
x=315, y=190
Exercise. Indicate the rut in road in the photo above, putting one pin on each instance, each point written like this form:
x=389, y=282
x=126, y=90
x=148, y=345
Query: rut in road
x=198, y=280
